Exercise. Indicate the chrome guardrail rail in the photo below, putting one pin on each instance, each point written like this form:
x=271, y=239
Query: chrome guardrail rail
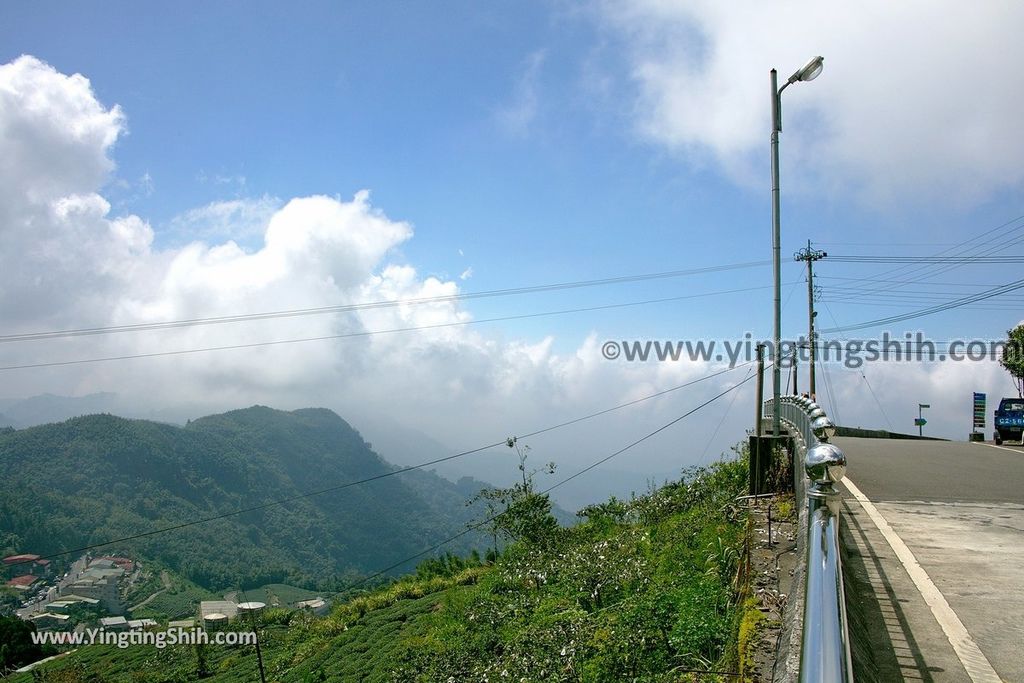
x=825, y=641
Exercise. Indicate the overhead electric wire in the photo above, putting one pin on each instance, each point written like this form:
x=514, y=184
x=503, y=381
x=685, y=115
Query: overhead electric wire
x=579, y=473
x=932, y=271
x=830, y=391
x=904, y=292
x=345, y=308
x=884, y=304
x=942, y=260
x=901, y=282
x=383, y=475
x=877, y=402
x=885, y=245
x=718, y=427
x=949, y=305
x=1005, y=244
x=793, y=290
x=367, y=333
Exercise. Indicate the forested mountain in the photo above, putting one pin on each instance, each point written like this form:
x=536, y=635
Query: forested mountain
x=649, y=589
x=97, y=478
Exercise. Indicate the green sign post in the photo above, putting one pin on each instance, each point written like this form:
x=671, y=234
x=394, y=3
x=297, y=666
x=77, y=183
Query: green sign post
x=979, y=411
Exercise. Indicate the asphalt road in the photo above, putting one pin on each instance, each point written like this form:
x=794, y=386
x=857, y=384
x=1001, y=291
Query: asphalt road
x=937, y=471
x=959, y=510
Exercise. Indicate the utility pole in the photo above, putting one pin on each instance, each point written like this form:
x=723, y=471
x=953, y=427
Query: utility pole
x=808, y=72
x=810, y=256
x=756, y=467
x=796, y=391
x=759, y=400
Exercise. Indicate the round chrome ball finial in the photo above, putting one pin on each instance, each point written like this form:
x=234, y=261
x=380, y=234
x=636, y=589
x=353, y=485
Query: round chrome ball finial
x=825, y=464
x=824, y=429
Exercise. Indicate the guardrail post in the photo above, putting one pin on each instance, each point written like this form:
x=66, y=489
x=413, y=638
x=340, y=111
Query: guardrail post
x=822, y=638
x=825, y=647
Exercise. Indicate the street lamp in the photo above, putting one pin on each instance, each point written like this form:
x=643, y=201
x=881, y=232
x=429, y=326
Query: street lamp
x=808, y=72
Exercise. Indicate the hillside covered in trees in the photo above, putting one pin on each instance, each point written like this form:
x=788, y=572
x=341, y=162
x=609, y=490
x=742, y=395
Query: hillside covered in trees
x=653, y=589
x=97, y=478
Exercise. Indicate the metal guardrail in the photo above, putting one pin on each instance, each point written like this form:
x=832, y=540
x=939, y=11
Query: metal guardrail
x=825, y=641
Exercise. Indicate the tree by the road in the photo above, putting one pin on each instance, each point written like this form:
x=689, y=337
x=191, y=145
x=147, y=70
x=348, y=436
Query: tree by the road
x=1013, y=356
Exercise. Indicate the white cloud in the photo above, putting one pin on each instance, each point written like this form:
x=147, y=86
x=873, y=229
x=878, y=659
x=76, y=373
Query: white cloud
x=237, y=180
x=233, y=219
x=518, y=116
x=918, y=100
x=63, y=255
x=69, y=263
x=467, y=273
x=146, y=184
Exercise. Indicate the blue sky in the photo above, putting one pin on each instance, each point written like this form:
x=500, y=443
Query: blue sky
x=535, y=143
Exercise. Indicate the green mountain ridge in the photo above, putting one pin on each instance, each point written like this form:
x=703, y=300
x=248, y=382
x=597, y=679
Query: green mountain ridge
x=97, y=478
x=655, y=589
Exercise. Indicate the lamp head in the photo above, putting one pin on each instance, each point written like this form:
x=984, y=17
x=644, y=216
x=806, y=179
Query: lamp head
x=809, y=71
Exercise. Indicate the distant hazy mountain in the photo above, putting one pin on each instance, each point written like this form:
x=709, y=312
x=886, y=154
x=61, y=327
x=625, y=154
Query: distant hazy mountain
x=96, y=478
x=37, y=410
x=497, y=467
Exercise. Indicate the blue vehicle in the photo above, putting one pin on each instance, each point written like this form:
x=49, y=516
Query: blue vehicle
x=1009, y=420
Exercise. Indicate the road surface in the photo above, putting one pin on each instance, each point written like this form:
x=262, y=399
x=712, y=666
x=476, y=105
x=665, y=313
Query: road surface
x=935, y=532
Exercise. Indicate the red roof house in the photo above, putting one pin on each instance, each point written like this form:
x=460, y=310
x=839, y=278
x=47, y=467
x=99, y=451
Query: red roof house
x=23, y=582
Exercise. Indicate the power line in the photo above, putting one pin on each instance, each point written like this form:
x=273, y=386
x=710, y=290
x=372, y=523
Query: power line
x=877, y=402
x=933, y=271
x=904, y=304
x=718, y=427
x=925, y=259
x=903, y=282
x=931, y=290
x=586, y=469
x=383, y=475
x=345, y=308
x=829, y=391
x=792, y=290
x=886, y=245
x=956, y=303
x=368, y=333
x=1001, y=246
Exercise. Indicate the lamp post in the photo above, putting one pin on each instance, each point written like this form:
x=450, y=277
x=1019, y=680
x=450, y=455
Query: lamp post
x=808, y=72
x=920, y=421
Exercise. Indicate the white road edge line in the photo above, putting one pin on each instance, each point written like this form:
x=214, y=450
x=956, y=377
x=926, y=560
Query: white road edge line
x=1004, y=448
x=967, y=651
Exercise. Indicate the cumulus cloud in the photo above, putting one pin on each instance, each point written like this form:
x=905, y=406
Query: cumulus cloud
x=69, y=262
x=63, y=254
x=917, y=100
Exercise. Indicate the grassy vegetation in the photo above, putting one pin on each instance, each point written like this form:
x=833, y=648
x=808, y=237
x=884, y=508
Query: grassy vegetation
x=180, y=601
x=643, y=590
x=277, y=595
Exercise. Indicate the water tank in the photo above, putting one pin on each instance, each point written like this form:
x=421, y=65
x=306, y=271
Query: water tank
x=215, y=619
x=250, y=607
